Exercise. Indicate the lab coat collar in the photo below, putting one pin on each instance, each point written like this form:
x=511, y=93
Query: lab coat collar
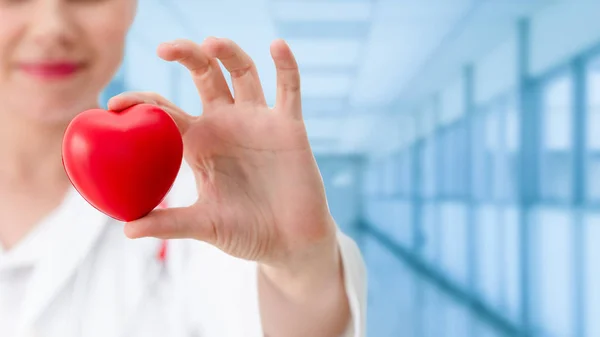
x=82, y=226
x=30, y=250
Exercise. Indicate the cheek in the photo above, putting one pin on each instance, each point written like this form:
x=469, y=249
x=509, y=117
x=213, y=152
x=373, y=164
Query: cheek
x=10, y=28
x=110, y=53
x=109, y=49
x=107, y=33
x=105, y=29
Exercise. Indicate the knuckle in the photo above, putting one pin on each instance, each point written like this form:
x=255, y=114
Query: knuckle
x=152, y=97
x=293, y=87
x=290, y=82
x=241, y=71
x=228, y=41
x=195, y=67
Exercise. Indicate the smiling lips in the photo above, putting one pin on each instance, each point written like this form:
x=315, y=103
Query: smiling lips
x=50, y=70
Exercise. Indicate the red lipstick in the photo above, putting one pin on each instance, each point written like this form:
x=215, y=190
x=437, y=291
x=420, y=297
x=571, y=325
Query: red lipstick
x=50, y=70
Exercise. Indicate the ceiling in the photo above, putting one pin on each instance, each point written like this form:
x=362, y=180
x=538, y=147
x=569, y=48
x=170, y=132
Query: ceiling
x=359, y=59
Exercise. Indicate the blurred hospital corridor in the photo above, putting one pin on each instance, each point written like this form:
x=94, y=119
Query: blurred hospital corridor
x=459, y=143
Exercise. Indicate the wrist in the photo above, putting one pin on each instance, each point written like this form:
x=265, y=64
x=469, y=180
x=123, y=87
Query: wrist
x=306, y=296
x=310, y=273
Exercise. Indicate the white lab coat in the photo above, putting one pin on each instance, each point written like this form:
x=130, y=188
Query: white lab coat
x=95, y=282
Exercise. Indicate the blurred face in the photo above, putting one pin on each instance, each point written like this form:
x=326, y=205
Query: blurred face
x=56, y=56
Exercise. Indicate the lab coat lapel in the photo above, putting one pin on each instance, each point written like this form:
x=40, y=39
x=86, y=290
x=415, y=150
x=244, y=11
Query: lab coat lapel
x=84, y=226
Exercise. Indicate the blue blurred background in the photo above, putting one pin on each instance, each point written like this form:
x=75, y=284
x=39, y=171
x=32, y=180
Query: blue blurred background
x=459, y=141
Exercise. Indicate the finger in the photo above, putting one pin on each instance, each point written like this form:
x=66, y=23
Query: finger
x=126, y=100
x=173, y=223
x=289, y=99
x=244, y=76
x=129, y=99
x=206, y=72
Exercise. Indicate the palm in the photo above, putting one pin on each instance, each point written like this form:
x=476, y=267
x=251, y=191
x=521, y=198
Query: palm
x=256, y=173
x=260, y=192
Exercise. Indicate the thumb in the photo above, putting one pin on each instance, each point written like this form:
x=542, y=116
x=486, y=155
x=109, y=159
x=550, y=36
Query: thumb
x=128, y=99
x=191, y=222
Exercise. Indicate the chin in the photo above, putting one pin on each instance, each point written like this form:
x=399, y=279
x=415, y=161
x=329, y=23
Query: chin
x=52, y=111
x=51, y=102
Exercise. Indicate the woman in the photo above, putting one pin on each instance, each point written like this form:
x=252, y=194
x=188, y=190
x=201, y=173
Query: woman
x=254, y=249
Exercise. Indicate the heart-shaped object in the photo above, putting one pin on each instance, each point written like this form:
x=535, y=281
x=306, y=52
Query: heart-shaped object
x=123, y=163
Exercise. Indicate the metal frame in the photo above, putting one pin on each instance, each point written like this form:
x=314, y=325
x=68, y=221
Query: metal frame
x=528, y=169
x=579, y=190
x=472, y=230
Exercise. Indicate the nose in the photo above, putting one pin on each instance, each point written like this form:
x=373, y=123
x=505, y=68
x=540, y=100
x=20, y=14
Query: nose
x=51, y=24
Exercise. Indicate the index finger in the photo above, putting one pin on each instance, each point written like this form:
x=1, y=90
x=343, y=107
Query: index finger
x=206, y=72
x=244, y=75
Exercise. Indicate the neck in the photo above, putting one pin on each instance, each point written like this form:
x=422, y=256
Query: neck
x=30, y=152
x=32, y=179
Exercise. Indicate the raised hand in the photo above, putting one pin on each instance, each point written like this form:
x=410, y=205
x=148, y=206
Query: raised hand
x=261, y=196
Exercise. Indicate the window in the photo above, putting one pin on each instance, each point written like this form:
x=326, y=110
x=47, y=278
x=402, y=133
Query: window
x=512, y=146
x=493, y=150
x=480, y=162
x=428, y=161
x=556, y=146
x=444, y=162
x=405, y=173
x=453, y=160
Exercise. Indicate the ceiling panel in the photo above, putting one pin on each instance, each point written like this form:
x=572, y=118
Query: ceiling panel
x=325, y=106
x=329, y=70
x=492, y=23
x=152, y=26
x=326, y=52
x=403, y=36
x=247, y=23
x=320, y=85
x=356, y=131
x=322, y=29
x=323, y=128
x=347, y=135
x=322, y=10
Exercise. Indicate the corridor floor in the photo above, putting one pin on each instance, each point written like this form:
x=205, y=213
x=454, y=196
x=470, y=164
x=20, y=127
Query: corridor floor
x=405, y=304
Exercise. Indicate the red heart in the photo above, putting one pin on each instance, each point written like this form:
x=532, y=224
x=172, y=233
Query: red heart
x=123, y=163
